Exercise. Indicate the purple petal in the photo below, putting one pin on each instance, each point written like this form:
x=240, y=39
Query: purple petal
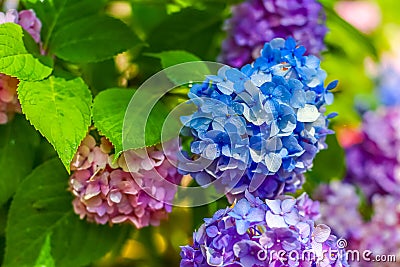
x=242, y=226
x=256, y=215
x=292, y=218
x=274, y=205
x=321, y=233
x=275, y=221
x=288, y=204
x=212, y=231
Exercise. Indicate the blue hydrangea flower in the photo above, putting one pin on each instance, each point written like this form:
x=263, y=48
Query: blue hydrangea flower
x=242, y=236
x=260, y=127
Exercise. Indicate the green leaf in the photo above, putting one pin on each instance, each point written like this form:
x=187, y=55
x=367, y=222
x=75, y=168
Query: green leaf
x=60, y=110
x=18, y=141
x=45, y=259
x=85, y=40
x=15, y=59
x=100, y=75
x=109, y=109
x=192, y=30
x=180, y=76
x=41, y=208
x=113, y=114
x=55, y=14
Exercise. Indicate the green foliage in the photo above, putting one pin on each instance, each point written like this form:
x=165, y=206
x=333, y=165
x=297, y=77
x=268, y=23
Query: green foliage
x=45, y=204
x=56, y=14
x=15, y=59
x=45, y=259
x=192, y=30
x=60, y=110
x=187, y=72
x=109, y=109
x=18, y=141
x=92, y=39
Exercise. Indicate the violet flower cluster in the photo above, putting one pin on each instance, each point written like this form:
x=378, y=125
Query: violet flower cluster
x=339, y=208
x=254, y=233
x=9, y=104
x=259, y=128
x=139, y=188
x=374, y=163
x=255, y=22
x=380, y=235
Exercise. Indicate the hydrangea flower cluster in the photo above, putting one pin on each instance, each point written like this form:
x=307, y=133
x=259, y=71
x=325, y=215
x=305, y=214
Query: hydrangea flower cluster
x=254, y=233
x=374, y=164
x=260, y=127
x=255, y=22
x=139, y=188
x=9, y=104
x=380, y=235
x=338, y=199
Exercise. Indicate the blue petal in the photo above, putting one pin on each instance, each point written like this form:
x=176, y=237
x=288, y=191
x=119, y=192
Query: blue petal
x=332, y=85
x=212, y=231
x=256, y=215
x=242, y=207
x=309, y=113
x=242, y=226
x=273, y=162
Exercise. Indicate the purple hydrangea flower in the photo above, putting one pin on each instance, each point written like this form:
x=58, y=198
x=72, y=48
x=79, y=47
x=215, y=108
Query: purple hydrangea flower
x=109, y=192
x=380, y=235
x=255, y=22
x=26, y=18
x=259, y=128
x=374, y=164
x=221, y=242
x=339, y=204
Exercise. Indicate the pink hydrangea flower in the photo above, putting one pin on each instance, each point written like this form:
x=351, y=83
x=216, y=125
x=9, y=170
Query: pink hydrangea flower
x=9, y=103
x=138, y=188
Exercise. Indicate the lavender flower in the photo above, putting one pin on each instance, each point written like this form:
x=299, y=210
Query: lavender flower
x=374, y=164
x=26, y=19
x=380, y=235
x=259, y=128
x=108, y=192
x=339, y=204
x=255, y=22
x=221, y=242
